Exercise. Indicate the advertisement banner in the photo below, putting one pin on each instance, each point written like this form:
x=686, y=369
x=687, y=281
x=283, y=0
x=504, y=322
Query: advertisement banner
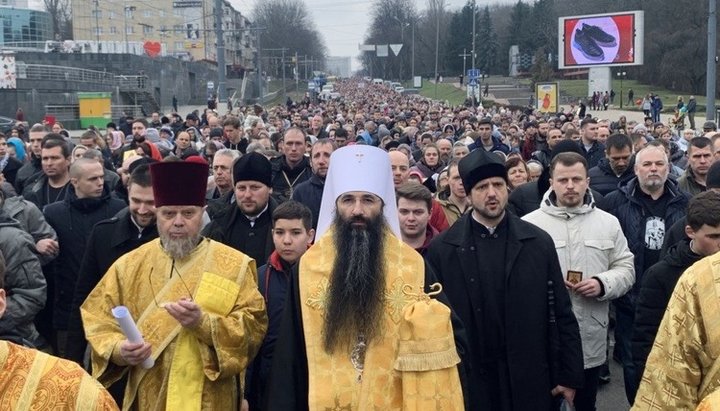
x=546, y=97
x=601, y=40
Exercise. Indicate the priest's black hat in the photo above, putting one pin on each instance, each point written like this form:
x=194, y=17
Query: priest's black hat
x=479, y=165
x=253, y=166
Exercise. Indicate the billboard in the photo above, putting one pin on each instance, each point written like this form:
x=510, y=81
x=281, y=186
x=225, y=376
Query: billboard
x=613, y=39
x=546, y=97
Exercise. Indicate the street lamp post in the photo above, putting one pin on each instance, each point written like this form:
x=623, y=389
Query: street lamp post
x=437, y=46
x=622, y=75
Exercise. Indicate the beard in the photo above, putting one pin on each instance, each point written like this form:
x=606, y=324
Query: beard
x=355, y=297
x=179, y=248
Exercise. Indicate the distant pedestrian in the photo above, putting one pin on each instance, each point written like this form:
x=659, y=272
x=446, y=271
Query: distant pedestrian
x=19, y=115
x=631, y=94
x=691, y=108
x=612, y=97
x=174, y=104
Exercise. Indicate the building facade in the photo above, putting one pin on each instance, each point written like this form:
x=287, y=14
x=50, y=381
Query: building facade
x=179, y=28
x=22, y=27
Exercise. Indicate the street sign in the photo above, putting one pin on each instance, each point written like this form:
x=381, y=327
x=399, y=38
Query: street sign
x=472, y=82
x=396, y=48
x=473, y=73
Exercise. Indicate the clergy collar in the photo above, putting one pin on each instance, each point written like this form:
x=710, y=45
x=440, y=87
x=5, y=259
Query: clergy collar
x=483, y=227
x=140, y=229
x=254, y=218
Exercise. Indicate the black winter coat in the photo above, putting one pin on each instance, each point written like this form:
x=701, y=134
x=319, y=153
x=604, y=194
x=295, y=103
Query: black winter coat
x=604, y=180
x=657, y=286
x=73, y=220
x=285, y=179
x=629, y=211
x=310, y=194
x=27, y=174
x=108, y=240
x=595, y=154
x=531, y=262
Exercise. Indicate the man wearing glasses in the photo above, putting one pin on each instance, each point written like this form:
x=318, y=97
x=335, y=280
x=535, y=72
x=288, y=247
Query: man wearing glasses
x=195, y=301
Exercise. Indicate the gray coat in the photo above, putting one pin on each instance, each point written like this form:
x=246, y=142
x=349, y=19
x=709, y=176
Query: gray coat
x=31, y=220
x=24, y=283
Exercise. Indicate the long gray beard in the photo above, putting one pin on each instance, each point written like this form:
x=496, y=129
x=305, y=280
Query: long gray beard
x=356, y=294
x=178, y=249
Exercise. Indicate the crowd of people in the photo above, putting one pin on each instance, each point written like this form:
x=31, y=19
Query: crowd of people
x=375, y=250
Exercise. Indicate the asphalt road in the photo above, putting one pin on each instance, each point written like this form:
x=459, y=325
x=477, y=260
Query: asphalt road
x=611, y=397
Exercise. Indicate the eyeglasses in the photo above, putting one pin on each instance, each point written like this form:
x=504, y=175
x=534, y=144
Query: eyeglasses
x=152, y=288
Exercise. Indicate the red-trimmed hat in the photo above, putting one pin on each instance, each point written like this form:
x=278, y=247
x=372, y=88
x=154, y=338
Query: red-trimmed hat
x=179, y=183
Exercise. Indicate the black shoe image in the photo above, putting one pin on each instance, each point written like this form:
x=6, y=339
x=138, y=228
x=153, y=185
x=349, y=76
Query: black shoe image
x=587, y=46
x=601, y=38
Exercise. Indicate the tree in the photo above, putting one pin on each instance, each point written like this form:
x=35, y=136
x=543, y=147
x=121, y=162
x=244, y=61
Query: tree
x=486, y=44
x=392, y=23
x=459, y=39
x=288, y=25
x=61, y=17
x=541, y=69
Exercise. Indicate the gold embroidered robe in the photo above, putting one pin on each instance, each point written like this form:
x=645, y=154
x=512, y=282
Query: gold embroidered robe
x=223, y=282
x=684, y=365
x=333, y=381
x=33, y=380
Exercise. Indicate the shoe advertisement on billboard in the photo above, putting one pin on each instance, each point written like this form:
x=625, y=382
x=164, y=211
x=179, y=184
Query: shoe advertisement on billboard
x=614, y=39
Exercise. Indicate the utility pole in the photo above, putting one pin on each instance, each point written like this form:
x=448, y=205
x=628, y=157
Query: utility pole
x=97, y=24
x=259, y=69
x=412, y=65
x=297, y=74
x=712, y=61
x=473, y=34
x=220, y=39
x=283, y=74
x=464, y=55
x=437, y=46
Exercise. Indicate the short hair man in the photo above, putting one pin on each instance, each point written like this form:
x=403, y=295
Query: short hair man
x=593, y=150
x=292, y=167
x=234, y=137
x=680, y=362
x=602, y=134
x=309, y=192
x=247, y=226
x=414, y=202
x=554, y=136
x=700, y=158
x=49, y=374
x=292, y=234
x=139, y=129
x=337, y=296
x=512, y=367
x=51, y=185
x=615, y=168
x=486, y=140
x=28, y=173
x=87, y=202
x=594, y=256
x=703, y=239
x=457, y=202
x=400, y=167
x=109, y=239
x=222, y=174
x=195, y=302
x=647, y=206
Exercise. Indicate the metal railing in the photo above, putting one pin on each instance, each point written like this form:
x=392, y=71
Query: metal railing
x=132, y=83
x=63, y=112
x=63, y=73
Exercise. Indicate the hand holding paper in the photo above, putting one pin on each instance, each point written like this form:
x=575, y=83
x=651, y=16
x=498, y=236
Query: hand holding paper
x=137, y=344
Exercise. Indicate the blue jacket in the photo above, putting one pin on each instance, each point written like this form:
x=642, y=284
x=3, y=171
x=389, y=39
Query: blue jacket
x=623, y=204
x=497, y=145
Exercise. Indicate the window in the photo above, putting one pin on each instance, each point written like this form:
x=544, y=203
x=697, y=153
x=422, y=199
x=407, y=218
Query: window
x=129, y=12
x=178, y=45
x=147, y=29
x=98, y=31
x=96, y=14
x=147, y=13
x=129, y=30
x=178, y=28
x=113, y=30
x=111, y=15
x=161, y=13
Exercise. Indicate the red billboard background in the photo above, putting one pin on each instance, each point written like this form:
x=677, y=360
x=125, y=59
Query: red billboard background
x=621, y=26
